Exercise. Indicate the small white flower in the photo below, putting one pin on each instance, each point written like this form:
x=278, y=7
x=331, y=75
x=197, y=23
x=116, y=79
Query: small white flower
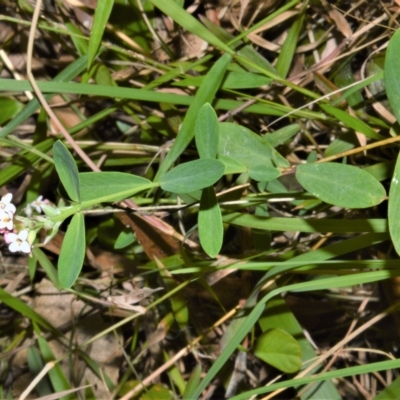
x=37, y=204
x=6, y=220
x=18, y=242
x=6, y=205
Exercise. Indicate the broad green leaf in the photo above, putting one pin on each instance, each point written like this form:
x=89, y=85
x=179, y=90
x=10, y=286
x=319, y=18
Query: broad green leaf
x=206, y=131
x=232, y=166
x=279, y=349
x=390, y=392
x=392, y=68
x=394, y=207
x=72, y=252
x=110, y=186
x=124, y=239
x=264, y=173
x=341, y=185
x=352, y=122
x=206, y=93
x=281, y=135
x=211, y=228
x=67, y=170
x=9, y=108
x=192, y=176
x=232, y=80
x=247, y=147
x=100, y=19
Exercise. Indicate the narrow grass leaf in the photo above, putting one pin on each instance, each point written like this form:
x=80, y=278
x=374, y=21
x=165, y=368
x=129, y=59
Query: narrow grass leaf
x=67, y=170
x=20, y=307
x=279, y=349
x=35, y=365
x=69, y=73
x=394, y=207
x=308, y=225
x=391, y=73
x=193, y=175
x=72, y=252
x=191, y=24
x=233, y=80
x=206, y=131
x=249, y=322
x=288, y=49
x=245, y=50
x=101, y=16
x=205, y=94
x=372, y=368
x=56, y=375
x=352, y=122
x=48, y=267
x=192, y=383
x=341, y=185
x=110, y=186
x=211, y=228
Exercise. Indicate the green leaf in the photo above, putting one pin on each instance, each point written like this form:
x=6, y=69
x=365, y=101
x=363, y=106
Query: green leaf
x=211, y=228
x=392, y=68
x=110, y=186
x=341, y=185
x=67, y=170
x=101, y=16
x=232, y=80
x=206, y=93
x=192, y=383
x=394, y=207
x=206, y=131
x=264, y=173
x=72, y=252
x=247, y=147
x=232, y=166
x=279, y=349
x=352, y=122
x=288, y=49
x=281, y=135
x=190, y=23
x=9, y=108
x=192, y=176
x=390, y=392
x=47, y=266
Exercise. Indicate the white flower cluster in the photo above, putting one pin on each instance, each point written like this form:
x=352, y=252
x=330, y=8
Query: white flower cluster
x=16, y=240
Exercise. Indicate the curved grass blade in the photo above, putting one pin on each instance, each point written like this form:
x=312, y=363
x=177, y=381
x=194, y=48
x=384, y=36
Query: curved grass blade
x=101, y=16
